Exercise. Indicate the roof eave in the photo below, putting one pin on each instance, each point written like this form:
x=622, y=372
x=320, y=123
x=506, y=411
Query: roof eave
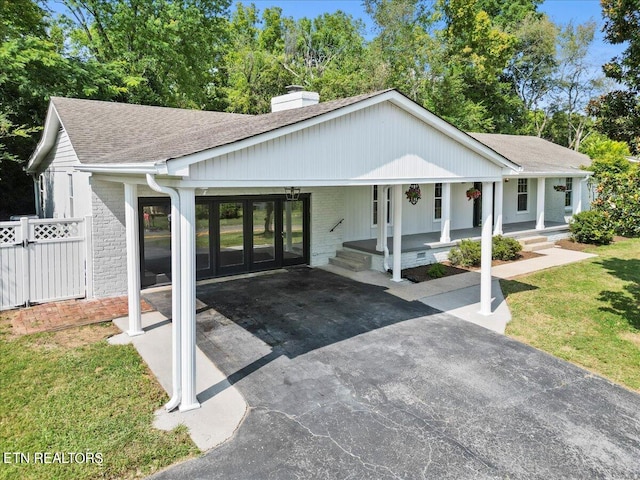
x=123, y=168
x=49, y=134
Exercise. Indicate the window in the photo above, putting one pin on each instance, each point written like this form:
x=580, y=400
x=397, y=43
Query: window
x=437, y=202
x=568, y=193
x=523, y=194
x=376, y=203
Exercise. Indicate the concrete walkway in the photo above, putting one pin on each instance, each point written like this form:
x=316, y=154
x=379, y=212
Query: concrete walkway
x=459, y=295
x=223, y=407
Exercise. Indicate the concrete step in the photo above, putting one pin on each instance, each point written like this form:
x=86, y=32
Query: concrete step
x=534, y=247
x=530, y=240
x=363, y=258
x=348, y=264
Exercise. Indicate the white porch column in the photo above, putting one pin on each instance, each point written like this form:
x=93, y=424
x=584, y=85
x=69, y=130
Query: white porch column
x=133, y=258
x=385, y=228
x=381, y=218
x=485, y=255
x=497, y=208
x=445, y=221
x=576, y=194
x=540, y=205
x=397, y=233
x=188, y=296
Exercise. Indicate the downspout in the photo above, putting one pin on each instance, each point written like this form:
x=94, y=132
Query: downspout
x=36, y=193
x=175, y=288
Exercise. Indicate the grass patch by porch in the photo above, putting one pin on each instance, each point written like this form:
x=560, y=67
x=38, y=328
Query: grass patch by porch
x=70, y=391
x=587, y=313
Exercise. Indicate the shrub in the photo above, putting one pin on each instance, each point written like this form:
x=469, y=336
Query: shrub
x=505, y=248
x=436, y=270
x=618, y=198
x=591, y=226
x=467, y=254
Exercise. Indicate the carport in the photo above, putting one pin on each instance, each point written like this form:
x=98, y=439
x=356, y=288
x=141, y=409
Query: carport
x=297, y=135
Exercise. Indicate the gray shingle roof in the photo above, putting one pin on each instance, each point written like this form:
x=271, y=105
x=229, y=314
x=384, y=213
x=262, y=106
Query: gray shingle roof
x=97, y=129
x=104, y=133
x=534, y=154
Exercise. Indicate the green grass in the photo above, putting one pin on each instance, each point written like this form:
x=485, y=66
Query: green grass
x=587, y=313
x=61, y=393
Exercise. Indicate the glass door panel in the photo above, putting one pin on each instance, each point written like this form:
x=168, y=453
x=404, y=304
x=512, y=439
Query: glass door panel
x=203, y=255
x=264, y=249
x=293, y=230
x=231, y=234
x=156, y=244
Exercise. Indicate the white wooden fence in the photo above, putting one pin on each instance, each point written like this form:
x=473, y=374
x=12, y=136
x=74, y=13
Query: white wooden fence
x=44, y=260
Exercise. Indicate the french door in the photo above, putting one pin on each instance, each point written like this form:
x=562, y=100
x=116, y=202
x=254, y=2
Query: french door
x=233, y=235
x=259, y=233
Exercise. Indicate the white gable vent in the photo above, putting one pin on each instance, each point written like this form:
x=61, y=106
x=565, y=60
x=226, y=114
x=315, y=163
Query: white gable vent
x=296, y=97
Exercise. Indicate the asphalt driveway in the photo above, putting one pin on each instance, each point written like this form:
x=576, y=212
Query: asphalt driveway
x=346, y=381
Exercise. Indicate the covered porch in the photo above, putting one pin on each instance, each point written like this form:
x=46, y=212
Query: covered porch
x=431, y=240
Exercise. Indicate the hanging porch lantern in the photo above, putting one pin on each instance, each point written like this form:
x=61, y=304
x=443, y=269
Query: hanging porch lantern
x=292, y=193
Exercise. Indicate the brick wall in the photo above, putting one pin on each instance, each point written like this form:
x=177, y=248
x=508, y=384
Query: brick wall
x=109, y=244
x=327, y=209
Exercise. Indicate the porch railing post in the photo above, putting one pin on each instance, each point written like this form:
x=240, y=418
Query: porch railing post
x=540, y=205
x=397, y=233
x=445, y=225
x=497, y=207
x=133, y=258
x=188, y=296
x=486, y=247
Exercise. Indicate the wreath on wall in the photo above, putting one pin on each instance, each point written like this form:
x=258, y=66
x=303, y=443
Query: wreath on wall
x=413, y=194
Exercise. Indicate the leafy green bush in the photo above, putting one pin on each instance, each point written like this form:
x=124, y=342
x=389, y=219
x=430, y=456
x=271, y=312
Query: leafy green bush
x=436, y=270
x=505, y=248
x=618, y=198
x=591, y=226
x=466, y=255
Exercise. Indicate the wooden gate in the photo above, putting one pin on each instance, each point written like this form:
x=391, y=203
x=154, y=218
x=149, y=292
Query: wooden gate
x=44, y=260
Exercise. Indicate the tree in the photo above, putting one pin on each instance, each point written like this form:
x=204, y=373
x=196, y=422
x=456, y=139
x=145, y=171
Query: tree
x=532, y=69
x=607, y=155
x=618, y=113
x=175, y=46
x=622, y=24
x=575, y=84
x=617, y=116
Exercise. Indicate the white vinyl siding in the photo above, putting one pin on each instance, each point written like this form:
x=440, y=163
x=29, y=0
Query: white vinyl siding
x=376, y=143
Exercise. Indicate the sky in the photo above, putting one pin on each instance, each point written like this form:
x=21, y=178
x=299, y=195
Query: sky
x=559, y=11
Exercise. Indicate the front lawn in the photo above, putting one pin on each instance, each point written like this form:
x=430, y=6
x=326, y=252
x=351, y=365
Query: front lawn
x=587, y=313
x=71, y=397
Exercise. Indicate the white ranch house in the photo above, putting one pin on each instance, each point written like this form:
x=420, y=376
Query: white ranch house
x=176, y=195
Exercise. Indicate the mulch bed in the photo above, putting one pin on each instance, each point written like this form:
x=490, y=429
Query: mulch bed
x=569, y=244
x=420, y=274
